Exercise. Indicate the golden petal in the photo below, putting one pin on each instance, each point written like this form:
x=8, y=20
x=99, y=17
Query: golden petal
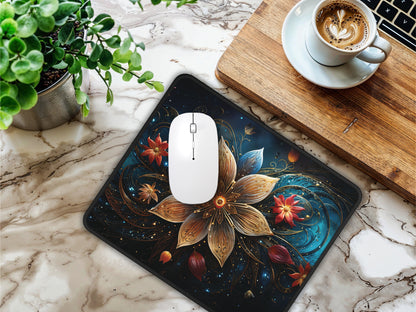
x=227, y=166
x=254, y=188
x=250, y=221
x=172, y=210
x=192, y=230
x=221, y=239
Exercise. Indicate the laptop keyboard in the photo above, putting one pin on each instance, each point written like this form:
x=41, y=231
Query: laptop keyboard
x=396, y=18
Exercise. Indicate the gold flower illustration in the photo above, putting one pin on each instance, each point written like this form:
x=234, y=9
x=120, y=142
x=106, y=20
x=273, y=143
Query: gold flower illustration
x=229, y=210
x=148, y=192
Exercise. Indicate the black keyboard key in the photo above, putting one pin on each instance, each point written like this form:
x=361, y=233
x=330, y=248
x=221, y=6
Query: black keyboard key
x=387, y=11
x=404, y=22
x=413, y=12
x=405, y=5
x=376, y=17
x=372, y=4
x=414, y=33
x=398, y=34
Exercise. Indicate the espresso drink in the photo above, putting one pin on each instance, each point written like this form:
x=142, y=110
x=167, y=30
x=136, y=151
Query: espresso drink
x=342, y=25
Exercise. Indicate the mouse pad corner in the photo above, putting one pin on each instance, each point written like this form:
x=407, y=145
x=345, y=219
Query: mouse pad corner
x=255, y=244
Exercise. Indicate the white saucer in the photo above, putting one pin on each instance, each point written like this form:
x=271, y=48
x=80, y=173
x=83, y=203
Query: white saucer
x=344, y=76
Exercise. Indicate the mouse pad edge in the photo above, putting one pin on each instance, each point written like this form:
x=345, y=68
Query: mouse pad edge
x=249, y=292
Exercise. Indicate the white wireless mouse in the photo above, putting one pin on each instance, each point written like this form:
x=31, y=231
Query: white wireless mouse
x=193, y=158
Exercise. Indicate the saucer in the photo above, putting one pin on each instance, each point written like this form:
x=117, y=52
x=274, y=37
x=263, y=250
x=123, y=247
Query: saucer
x=344, y=76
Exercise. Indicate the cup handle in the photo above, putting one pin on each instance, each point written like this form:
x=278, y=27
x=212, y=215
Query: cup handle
x=375, y=56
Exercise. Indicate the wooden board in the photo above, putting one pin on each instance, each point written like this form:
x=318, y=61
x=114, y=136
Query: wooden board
x=372, y=126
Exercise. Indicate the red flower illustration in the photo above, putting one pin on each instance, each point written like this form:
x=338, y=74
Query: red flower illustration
x=299, y=277
x=279, y=254
x=165, y=256
x=286, y=209
x=156, y=149
x=196, y=264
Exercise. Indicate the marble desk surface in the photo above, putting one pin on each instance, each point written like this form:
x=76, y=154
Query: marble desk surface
x=49, y=262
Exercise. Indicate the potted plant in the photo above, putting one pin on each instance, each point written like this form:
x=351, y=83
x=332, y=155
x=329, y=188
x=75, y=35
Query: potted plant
x=45, y=43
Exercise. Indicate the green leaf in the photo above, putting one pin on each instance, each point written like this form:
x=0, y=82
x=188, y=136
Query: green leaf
x=155, y=2
x=28, y=77
x=113, y=42
x=5, y=120
x=4, y=88
x=94, y=29
x=46, y=24
x=21, y=6
x=149, y=85
x=108, y=77
x=66, y=34
x=91, y=64
x=100, y=17
x=20, y=66
x=127, y=76
x=4, y=60
x=48, y=7
x=17, y=45
x=109, y=97
x=147, y=75
x=59, y=53
x=32, y=43
x=78, y=43
x=106, y=58
x=8, y=89
x=107, y=24
x=90, y=11
x=77, y=80
x=27, y=96
x=9, y=105
x=9, y=75
x=83, y=61
x=8, y=26
x=80, y=96
x=141, y=46
x=135, y=59
x=60, y=22
x=6, y=11
x=26, y=25
x=117, y=69
x=75, y=67
x=35, y=58
x=158, y=86
x=125, y=46
x=65, y=9
x=69, y=59
x=122, y=58
x=85, y=109
x=60, y=65
x=96, y=52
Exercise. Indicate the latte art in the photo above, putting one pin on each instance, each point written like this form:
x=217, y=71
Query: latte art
x=343, y=26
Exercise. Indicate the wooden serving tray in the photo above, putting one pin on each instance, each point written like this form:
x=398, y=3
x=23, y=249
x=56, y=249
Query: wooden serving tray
x=372, y=126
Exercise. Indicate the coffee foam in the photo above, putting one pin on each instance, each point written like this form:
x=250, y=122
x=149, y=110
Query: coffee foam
x=343, y=26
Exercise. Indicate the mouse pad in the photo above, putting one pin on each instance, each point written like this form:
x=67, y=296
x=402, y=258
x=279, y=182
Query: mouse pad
x=253, y=246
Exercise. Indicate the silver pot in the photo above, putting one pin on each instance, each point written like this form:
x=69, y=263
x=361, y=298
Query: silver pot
x=56, y=105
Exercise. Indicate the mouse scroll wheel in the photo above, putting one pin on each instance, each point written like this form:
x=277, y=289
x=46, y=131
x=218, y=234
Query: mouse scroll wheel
x=193, y=128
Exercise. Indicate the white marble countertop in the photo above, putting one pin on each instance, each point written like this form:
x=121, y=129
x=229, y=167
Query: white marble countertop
x=49, y=262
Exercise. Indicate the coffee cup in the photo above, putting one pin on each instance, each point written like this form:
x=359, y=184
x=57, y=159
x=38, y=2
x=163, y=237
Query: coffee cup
x=343, y=29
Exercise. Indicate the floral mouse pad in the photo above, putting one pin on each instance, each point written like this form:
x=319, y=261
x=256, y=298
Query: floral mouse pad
x=253, y=246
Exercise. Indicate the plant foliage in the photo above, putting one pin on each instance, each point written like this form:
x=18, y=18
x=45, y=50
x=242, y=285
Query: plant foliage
x=37, y=35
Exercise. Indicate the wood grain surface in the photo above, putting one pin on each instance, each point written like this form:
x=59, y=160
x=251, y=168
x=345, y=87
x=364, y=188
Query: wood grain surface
x=372, y=126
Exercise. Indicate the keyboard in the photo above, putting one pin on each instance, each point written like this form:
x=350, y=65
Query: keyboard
x=397, y=18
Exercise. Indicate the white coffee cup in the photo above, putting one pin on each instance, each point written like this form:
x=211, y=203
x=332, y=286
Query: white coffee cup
x=374, y=50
